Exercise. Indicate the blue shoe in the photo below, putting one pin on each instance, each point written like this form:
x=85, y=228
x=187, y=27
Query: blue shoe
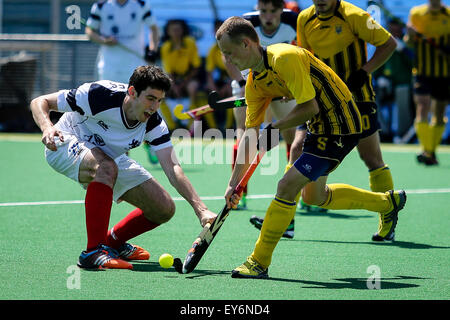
x=103, y=257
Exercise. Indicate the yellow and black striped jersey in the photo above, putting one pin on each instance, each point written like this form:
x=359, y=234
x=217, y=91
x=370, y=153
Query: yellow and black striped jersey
x=295, y=73
x=340, y=40
x=435, y=26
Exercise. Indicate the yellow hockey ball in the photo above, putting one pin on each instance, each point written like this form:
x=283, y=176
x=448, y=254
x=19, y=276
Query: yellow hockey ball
x=166, y=260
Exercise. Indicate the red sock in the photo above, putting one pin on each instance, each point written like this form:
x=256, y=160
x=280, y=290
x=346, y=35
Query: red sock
x=98, y=204
x=134, y=224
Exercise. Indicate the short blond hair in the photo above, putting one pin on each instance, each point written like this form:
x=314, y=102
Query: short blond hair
x=236, y=28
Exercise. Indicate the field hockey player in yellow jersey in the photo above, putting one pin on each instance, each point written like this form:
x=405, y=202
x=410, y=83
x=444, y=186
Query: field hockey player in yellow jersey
x=429, y=33
x=326, y=105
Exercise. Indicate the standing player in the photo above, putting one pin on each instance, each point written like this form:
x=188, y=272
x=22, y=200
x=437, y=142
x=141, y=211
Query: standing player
x=334, y=124
x=428, y=31
x=102, y=121
x=118, y=26
x=273, y=25
x=114, y=22
x=337, y=32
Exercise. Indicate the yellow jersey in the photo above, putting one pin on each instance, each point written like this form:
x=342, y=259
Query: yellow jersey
x=295, y=73
x=340, y=40
x=429, y=60
x=180, y=61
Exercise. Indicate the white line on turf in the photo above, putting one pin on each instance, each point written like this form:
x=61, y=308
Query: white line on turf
x=205, y=198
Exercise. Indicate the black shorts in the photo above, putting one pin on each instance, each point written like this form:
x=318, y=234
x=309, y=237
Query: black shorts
x=369, y=118
x=437, y=88
x=323, y=153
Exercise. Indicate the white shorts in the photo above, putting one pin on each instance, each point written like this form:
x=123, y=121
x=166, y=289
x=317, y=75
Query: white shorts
x=69, y=154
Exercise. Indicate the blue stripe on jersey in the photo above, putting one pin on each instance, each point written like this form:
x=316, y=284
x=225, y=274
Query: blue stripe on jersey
x=95, y=16
x=146, y=15
x=71, y=100
x=101, y=98
x=163, y=139
x=154, y=121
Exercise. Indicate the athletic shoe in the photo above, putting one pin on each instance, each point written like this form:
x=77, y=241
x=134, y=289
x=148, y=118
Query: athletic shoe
x=152, y=157
x=103, y=257
x=427, y=160
x=129, y=251
x=250, y=269
x=388, y=221
x=310, y=208
x=289, y=233
x=242, y=203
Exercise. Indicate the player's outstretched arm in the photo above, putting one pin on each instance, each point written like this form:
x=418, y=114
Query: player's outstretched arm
x=181, y=183
x=40, y=108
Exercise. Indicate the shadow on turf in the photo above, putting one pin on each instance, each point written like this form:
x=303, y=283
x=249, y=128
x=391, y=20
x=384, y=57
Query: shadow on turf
x=355, y=283
x=155, y=267
x=328, y=214
x=400, y=244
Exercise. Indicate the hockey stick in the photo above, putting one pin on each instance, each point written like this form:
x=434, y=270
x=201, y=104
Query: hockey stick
x=210, y=230
x=213, y=104
x=227, y=103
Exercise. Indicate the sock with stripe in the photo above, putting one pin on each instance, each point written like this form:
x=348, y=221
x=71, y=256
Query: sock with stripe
x=380, y=179
x=277, y=219
x=134, y=224
x=98, y=203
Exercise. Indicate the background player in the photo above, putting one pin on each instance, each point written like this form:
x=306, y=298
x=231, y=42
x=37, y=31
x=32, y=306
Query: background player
x=122, y=21
x=273, y=25
x=102, y=121
x=119, y=27
x=334, y=126
x=428, y=31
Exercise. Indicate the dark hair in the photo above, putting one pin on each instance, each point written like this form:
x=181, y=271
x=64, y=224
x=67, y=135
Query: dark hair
x=149, y=76
x=275, y=3
x=236, y=28
x=183, y=25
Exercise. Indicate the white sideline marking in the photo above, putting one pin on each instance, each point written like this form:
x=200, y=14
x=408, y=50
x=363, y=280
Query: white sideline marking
x=206, y=198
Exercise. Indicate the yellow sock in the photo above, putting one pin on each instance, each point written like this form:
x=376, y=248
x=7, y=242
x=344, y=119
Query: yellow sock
x=381, y=179
x=343, y=196
x=424, y=135
x=277, y=219
x=436, y=131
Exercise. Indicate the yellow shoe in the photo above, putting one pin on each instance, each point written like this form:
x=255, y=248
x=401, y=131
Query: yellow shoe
x=250, y=269
x=388, y=220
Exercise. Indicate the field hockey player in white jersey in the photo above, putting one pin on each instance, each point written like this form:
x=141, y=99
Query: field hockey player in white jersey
x=118, y=26
x=103, y=120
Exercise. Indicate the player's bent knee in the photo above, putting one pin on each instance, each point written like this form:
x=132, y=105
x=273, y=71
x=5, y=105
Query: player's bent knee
x=162, y=214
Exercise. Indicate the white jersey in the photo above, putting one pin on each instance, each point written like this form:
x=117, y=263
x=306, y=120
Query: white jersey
x=286, y=32
x=125, y=23
x=94, y=113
